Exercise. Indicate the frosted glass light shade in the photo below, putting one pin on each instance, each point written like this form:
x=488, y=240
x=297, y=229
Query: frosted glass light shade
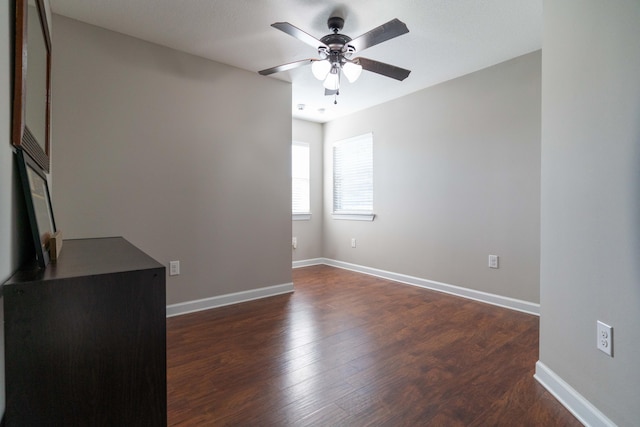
x=332, y=82
x=352, y=71
x=320, y=69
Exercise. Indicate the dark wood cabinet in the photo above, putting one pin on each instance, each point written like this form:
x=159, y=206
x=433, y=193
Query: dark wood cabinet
x=85, y=339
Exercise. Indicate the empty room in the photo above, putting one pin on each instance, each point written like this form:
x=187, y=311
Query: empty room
x=329, y=213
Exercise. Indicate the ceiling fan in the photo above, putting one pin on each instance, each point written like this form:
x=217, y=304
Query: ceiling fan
x=336, y=50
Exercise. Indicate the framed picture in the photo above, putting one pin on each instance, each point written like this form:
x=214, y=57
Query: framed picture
x=38, y=203
x=32, y=83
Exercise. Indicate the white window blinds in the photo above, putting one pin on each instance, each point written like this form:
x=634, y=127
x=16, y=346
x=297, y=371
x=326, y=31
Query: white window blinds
x=353, y=175
x=300, y=193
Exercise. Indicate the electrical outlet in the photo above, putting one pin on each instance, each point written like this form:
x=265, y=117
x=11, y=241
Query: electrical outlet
x=353, y=242
x=174, y=268
x=605, y=338
x=493, y=261
x=294, y=243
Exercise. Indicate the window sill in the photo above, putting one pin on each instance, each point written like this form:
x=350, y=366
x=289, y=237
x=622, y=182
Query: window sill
x=301, y=217
x=354, y=216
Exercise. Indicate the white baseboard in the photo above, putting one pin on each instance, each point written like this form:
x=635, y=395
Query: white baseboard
x=307, y=262
x=580, y=407
x=501, y=301
x=228, y=299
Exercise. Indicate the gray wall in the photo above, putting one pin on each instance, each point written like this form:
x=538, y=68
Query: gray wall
x=170, y=151
x=590, y=233
x=456, y=178
x=309, y=233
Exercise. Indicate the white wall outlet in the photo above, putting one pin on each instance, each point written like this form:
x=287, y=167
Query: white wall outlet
x=294, y=243
x=353, y=242
x=174, y=268
x=493, y=261
x=605, y=338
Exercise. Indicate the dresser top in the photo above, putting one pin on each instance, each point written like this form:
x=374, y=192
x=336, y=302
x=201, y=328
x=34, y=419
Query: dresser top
x=87, y=257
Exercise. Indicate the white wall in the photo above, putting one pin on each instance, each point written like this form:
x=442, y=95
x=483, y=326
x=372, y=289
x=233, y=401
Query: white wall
x=309, y=233
x=590, y=232
x=186, y=158
x=456, y=178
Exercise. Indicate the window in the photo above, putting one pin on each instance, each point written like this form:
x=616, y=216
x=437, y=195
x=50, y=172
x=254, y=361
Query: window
x=353, y=178
x=300, y=193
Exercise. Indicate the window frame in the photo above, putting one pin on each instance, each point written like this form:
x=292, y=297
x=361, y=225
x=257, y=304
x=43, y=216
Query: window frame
x=355, y=214
x=301, y=216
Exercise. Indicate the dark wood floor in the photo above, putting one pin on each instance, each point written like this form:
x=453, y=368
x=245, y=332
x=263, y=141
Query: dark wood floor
x=348, y=349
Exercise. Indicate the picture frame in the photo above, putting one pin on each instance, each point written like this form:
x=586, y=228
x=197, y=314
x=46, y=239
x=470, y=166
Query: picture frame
x=38, y=204
x=31, y=128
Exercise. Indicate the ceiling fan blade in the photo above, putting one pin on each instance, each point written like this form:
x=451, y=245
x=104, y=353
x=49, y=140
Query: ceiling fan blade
x=328, y=92
x=384, y=32
x=299, y=34
x=383, y=69
x=285, y=67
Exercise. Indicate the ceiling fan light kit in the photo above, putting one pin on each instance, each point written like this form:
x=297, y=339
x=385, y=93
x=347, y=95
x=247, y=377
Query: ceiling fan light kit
x=332, y=82
x=320, y=69
x=352, y=71
x=335, y=51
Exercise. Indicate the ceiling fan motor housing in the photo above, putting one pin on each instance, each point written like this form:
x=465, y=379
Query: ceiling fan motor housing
x=336, y=42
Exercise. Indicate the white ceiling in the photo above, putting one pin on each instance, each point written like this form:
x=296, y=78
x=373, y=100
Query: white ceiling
x=446, y=39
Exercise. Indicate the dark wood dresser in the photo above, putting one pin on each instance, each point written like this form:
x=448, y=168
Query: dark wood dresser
x=85, y=339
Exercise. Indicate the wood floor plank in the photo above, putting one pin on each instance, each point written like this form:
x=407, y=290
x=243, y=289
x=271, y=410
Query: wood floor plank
x=347, y=349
